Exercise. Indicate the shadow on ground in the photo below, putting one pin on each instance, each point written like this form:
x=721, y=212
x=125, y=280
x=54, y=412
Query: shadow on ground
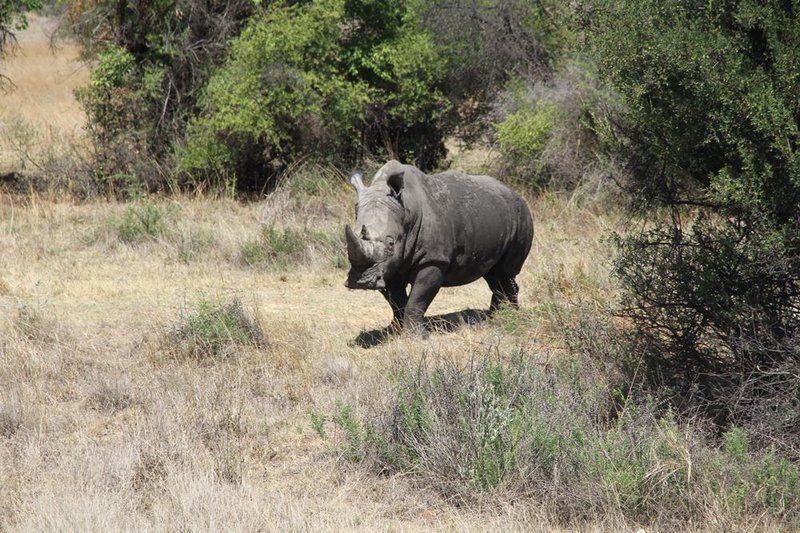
x=445, y=323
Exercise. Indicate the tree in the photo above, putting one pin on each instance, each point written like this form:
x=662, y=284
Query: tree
x=710, y=137
x=152, y=59
x=329, y=79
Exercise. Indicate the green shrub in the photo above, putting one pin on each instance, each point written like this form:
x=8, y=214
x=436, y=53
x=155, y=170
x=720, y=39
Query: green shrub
x=476, y=428
x=564, y=434
x=319, y=79
x=116, y=126
x=278, y=249
x=551, y=131
x=213, y=329
x=777, y=484
x=143, y=221
x=13, y=17
x=356, y=436
x=523, y=136
x=318, y=419
x=114, y=66
x=151, y=60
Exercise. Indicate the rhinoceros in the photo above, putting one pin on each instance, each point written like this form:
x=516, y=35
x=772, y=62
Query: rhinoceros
x=433, y=231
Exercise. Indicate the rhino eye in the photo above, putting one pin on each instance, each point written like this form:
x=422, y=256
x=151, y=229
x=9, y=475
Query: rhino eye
x=389, y=246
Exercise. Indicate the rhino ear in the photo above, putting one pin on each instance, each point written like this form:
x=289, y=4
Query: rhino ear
x=395, y=182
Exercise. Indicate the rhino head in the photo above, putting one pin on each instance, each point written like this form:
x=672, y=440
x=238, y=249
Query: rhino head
x=374, y=247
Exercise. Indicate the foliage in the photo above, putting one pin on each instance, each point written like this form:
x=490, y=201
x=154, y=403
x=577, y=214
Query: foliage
x=152, y=58
x=551, y=130
x=175, y=89
x=712, y=122
x=214, y=329
x=490, y=42
x=356, y=435
x=12, y=19
x=568, y=439
x=326, y=77
x=523, y=135
x=265, y=100
x=317, y=420
x=115, y=114
x=142, y=221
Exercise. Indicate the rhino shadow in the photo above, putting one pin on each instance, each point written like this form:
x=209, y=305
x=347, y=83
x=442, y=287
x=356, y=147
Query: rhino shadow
x=444, y=323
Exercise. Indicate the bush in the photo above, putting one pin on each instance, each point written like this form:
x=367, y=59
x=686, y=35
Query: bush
x=550, y=134
x=278, y=249
x=213, y=329
x=712, y=113
x=523, y=135
x=141, y=222
x=326, y=79
x=115, y=119
x=13, y=18
x=569, y=438
x=489, y=42
x=242, y=89
x=152, y=59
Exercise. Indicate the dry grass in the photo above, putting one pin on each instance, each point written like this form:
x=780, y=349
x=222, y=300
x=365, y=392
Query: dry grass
x=101, y=427
x=41, y=97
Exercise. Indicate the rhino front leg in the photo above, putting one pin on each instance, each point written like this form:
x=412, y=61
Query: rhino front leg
x=426, y=284
x=397, y=297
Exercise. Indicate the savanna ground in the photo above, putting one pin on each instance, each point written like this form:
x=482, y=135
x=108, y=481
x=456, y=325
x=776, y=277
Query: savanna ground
x=107, y=422
x=114, y=416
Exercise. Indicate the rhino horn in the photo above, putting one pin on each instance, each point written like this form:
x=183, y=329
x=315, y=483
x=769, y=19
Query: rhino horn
x=355, y=252
x=356, y=182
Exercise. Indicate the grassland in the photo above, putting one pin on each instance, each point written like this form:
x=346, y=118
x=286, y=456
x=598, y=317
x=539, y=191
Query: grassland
x=103, y=424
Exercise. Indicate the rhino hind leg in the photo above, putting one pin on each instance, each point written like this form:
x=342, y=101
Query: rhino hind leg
x=504, y=290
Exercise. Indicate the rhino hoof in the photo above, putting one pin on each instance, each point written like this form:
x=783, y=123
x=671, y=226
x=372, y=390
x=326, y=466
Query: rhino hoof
x=418, y=331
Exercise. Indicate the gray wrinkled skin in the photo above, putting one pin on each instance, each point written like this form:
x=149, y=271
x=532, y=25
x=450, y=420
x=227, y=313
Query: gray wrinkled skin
x=435, y=231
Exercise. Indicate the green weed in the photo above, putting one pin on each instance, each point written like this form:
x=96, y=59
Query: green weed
x=214, y=329
x=318, y=420
x=278, y=249
x=141, y=222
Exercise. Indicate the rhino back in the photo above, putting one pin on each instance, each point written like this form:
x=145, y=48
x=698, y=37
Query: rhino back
x=470, y=223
